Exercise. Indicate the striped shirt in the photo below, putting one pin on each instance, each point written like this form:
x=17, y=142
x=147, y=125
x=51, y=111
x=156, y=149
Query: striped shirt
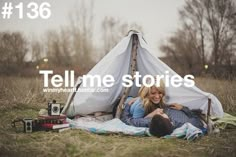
x=179, y=117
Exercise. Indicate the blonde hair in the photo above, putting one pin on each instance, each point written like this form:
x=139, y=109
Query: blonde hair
x=144, y=92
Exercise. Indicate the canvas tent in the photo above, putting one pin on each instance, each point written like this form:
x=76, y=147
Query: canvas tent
x=118, y=63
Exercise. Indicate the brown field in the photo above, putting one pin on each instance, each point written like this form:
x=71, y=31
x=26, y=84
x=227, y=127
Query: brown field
x=23, y=97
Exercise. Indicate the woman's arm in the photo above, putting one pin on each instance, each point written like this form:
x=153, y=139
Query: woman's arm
x=150, y=115
x=127, y=118
x=153, y=113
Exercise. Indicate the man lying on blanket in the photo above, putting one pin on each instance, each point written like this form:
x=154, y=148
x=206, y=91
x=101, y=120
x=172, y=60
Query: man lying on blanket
x=170, y=118
x=163, y=120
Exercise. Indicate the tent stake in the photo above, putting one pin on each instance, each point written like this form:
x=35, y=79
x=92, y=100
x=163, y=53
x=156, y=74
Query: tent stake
x=133, y=68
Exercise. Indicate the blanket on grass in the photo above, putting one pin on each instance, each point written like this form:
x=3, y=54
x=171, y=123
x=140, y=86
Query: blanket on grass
x=98, y=126
x=108, y=126
x=94, y=125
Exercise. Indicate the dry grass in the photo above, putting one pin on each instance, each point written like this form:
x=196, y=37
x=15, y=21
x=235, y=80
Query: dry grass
x=224, y=90
x=23, y=97
x=24, y=93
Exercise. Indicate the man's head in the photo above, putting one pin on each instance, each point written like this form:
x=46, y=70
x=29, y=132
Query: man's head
x=160, y=126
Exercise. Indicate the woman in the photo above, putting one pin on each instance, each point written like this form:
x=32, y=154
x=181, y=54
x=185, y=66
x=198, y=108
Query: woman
x=150, y=98
x=139, y=111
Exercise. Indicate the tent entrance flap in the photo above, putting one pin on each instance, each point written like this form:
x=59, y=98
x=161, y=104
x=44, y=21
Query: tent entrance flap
x=133, y=68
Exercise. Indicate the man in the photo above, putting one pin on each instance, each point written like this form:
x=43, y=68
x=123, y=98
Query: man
x=172, y=117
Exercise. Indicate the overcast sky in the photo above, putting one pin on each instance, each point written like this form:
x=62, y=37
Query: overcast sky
x=159, y=18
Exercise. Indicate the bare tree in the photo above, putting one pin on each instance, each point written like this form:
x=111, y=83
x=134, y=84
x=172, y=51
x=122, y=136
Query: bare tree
x=71, y=44
x=53, y=48
x=58, y=46
x=193, y=19
x=211, y=23
x=220, y=14
x=215, y=22
x=182, y=49
x=81, y=28
x=13, y=49
x=66, y=47
x=36, y=50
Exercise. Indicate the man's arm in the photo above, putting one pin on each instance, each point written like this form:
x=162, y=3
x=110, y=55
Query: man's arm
x=185, y=109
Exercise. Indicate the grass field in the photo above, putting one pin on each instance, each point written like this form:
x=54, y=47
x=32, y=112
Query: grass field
x=23, y=97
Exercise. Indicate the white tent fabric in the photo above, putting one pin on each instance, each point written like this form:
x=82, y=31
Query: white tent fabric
x=117, y=64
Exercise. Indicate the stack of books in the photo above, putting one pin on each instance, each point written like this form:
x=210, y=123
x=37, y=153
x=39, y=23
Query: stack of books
x=54, y=123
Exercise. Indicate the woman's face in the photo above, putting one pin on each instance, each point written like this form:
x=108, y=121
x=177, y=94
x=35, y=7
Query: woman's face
x=155, y=96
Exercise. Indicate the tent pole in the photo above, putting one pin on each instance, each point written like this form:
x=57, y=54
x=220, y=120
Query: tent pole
x=70, y=100
x=133, y=68
x=208, y=115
